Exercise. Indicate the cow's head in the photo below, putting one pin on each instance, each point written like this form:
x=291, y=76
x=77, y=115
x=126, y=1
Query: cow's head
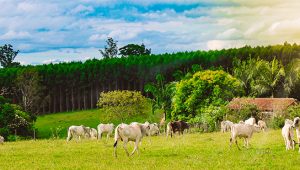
x=296, y=122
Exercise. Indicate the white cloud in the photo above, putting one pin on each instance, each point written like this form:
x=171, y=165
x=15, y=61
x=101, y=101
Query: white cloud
x=45, y=29
x=10, y=35
x=82, y=9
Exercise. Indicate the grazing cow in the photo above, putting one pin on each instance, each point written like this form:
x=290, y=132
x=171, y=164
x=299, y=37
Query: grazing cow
x=226, y=126
x=242, y=131
x=262, y=125
x=296, y=124
x=1, y=140
x=177, y=126
x=288, y=135
x=250, y=121
x=133, y=132
x=79, y=131
x=154, y=130
x=105, y=128
x=93, y=133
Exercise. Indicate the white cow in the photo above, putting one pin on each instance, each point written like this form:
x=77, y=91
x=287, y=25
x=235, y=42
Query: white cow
x=262, y=125
x=296, y=124
x=78, y=131
x=154, y=130
x=93, y=133
x=105, y=128
x=226, y=126
x=250, y=121
x=1, y=140
x=288, y=135
x=242, y=131
x=126, y=133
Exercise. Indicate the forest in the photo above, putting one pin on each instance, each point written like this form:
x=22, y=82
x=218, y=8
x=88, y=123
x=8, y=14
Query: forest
x=51, y=88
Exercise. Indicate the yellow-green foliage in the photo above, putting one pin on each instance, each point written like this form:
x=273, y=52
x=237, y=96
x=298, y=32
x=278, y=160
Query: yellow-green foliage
x=209, y=87
x=120, y=98
x=190, y=151
x=123, y=104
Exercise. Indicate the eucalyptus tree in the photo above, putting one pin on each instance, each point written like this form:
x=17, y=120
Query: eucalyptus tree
x=111, y=49
x=7, y=56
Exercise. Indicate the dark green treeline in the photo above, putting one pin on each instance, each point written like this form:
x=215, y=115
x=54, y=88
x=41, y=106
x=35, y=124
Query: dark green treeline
x=76, y=85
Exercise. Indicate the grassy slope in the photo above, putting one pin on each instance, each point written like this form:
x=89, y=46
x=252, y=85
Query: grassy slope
x=89, y=118
x=192, y=151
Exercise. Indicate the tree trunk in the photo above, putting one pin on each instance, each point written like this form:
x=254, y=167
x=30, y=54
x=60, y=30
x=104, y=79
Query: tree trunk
x=67, y=101
x=92, y=96
x=49, y=104
x=54, y=102
x=60, y=100
x=84, y=98
x=78, y=100
x=73, y=99
x=97, y=92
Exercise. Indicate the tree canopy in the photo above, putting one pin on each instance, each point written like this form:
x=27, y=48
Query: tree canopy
x=205, y=88
x=111, y=49
x=134, y=49
x=7, y=56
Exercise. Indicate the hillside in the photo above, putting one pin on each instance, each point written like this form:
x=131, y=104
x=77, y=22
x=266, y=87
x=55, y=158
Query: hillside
x=48, y=124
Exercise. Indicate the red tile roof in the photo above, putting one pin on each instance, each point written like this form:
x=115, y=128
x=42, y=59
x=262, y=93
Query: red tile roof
x=263, y=104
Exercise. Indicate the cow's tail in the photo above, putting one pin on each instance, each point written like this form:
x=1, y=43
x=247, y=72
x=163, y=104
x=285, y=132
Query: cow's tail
x=117, y=136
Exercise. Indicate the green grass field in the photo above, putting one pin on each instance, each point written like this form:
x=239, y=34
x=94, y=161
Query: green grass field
x=191, y=151
x=48, y=123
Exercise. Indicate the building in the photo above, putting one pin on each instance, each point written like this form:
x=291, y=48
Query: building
x=271, y=106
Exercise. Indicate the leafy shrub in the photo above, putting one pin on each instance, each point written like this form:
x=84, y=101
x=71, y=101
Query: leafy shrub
x=205, y=88
x=14, y=119
x=277, y=122
x=294, y=111
x=14, y=138
x=247, y=111
x=123, y=104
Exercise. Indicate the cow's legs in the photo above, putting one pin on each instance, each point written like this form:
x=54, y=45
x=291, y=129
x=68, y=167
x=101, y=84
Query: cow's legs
x=237, y=144
x=125, y=147
x=136, y=145
x=99, y=135
x=247, y=143
x=286, y=143
x=107, y=136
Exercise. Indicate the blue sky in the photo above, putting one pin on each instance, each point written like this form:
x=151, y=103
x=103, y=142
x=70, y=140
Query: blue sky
x=55, y=31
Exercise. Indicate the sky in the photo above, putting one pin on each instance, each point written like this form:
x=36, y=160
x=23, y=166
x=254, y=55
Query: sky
x=62, y=31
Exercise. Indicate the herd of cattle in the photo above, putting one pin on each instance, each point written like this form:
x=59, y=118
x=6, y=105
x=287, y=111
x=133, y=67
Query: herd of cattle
x=246, y=129
x=136, y=131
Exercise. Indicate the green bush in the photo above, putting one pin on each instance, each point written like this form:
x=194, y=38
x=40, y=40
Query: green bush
x=205, y=88
x=123, y=104
x=247, y=111
x=293, y=111
x=277, y=122
x=14, y=119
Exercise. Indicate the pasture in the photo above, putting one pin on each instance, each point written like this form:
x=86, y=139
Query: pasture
x=47, y=124
x=191, y=151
